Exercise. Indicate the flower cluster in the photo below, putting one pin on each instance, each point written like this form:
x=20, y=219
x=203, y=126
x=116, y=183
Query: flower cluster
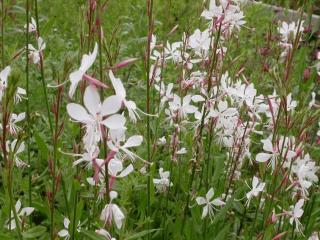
x=104, y=125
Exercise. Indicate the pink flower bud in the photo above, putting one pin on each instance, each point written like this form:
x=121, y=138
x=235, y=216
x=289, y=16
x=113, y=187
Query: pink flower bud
x=274, y=217
x=124, y=63
x=306, y=74
x=94, y=81
x=280, y=235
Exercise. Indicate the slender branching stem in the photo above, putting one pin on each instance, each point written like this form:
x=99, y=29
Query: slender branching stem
x=147, y=68
x=198, y=137
x=2, y=33
x=28, y=105
x=44, y=88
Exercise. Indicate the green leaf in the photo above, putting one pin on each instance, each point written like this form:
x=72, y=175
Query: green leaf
x=92, y=235
x=43, y=149
x=223, y=233
x=140, y=234
x=5, y=237
x=34, y=232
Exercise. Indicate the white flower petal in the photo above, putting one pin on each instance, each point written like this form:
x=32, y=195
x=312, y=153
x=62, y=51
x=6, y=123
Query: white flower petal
x=218, y=202
x=18, y=205
x=263, y=157
x=210, y=194
x=66, y=222
x=126, y=171
x=118, y=216
x=77, y=112
x=114, y=166
x=26, y=211
x=75, y=78
x=115, y=121
x=133, y=141
x=117, y=85
x=63, y=233
x=5, y=73
x=205, y=211
x=88, y=59
x=91, y=100
x=200, y=200
x=111, y=105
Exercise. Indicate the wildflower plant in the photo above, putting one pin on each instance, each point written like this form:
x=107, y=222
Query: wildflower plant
x=157, y=120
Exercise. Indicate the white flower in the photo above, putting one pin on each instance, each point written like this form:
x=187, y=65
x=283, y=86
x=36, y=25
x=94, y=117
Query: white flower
x=93, y=116
x=229, y=14
x=86, y=62
x=200, y=41
x=296, y=213
x=314, y=236
x=181, y=108
x=208, y=203
x=64, y=233
x=226, y=117
x=18, y=96
x=115, y=168
x=272, y=153
x=121, y=95
x=111, y=212
x=291, y=104
x=213, y=11
x=14, y=119
x=24, y=212
x=35, y=54
x=163, y=183
x=257, y=187
x=305, y=169
x=165, y=94
x=117, y=136
x=289, y=31
x=182, y=151
x=155, y=73
x=162, y=141
x=32, y=26
x=173, y=51
x=153, y=42
x=197, y=98
x=15, y=150
x=4, y=80
x=243, y=93
x=87, y=156
x=288, y=34
x=313, y=99
x=104, y=233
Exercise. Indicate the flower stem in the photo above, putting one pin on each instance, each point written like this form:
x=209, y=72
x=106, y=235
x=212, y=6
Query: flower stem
x=9, y=166
x=51, y=128
x=147, y=67
x=198, y=137
x=2, y=32
x=10, y=190
x=28, y=105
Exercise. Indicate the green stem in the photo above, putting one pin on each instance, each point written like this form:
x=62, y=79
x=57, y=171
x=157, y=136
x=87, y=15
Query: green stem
x=74, y=215
x=44, y=87
x=10, y=190
x=2, y=33
x=28, y=104
x=199, y=136
x=150, y=25
x=309, y=215
x=242, y=219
